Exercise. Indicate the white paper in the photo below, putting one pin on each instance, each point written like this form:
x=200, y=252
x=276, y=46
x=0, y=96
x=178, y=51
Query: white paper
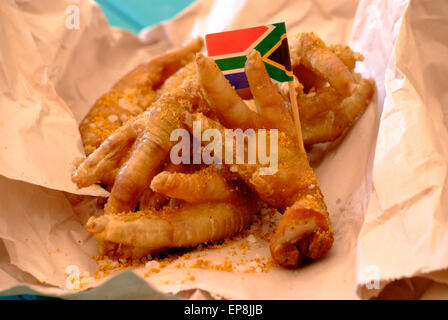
x=405, y=229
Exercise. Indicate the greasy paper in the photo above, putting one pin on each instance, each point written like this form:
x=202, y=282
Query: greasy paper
x=384, y=182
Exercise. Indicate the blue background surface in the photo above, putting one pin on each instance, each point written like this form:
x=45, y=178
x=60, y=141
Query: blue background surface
x=133, y=15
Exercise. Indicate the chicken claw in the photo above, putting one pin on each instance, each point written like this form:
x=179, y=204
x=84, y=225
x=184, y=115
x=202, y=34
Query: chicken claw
x=330, y=94
x=208, y=183
x=339, y=115
x=186, y=226
x=132, y=94
x=227, y=104
x=305, y=229
x=314, y=54
x=139, y=148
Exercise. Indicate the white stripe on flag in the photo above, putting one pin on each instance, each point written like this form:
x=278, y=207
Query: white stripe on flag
x=233, y=71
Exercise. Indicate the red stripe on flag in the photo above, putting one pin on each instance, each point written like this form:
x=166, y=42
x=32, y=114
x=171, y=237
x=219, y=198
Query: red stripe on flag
x=232, y=41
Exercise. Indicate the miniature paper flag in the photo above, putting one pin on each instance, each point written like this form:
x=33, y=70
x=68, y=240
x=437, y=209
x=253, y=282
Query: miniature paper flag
x=229, y=50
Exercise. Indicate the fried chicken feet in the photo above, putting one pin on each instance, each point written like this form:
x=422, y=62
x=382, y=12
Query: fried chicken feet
x=221, y=211
x=305, y=229
x=330, y=94
x=138, y=148
x=180, y=207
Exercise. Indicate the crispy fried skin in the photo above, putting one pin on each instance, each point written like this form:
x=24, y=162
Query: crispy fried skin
x=330, y=94
x=177, y=79
x=207, y=183
x=346, y=55
x=330, y=125
x=314, y=54
x=189, y=225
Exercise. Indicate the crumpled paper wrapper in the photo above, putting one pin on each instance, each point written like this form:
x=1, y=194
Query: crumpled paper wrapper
x=405, y=228
x=384, y=182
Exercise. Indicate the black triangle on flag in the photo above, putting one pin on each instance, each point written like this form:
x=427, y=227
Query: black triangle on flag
x=281, y=55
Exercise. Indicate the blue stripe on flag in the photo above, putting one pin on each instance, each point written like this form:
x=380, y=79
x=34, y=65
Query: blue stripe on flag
x=238, y=80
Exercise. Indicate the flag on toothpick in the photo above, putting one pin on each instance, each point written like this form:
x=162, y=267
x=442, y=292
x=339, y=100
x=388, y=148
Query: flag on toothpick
x=229, y=50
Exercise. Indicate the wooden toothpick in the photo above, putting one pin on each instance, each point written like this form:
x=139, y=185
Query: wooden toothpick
x=295, y=112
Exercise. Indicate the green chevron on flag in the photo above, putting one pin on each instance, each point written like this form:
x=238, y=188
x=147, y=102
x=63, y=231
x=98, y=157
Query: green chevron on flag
x=229, y=50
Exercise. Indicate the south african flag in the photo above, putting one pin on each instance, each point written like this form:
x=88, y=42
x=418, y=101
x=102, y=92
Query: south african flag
x=229, y=50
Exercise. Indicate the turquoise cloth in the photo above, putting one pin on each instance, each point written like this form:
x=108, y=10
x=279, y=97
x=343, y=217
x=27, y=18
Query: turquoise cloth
x=135, y=15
